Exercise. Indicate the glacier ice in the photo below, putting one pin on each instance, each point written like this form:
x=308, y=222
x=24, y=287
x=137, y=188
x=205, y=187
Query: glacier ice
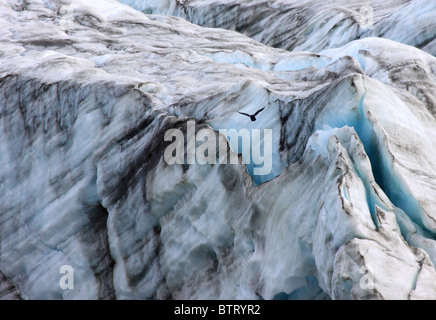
x=88, y=93
x=309, y=25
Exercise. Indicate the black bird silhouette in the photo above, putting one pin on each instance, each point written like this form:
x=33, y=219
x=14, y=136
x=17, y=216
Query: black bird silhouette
x=252, y=116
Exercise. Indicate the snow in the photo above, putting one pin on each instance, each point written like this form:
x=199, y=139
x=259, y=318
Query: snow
x=85, y=107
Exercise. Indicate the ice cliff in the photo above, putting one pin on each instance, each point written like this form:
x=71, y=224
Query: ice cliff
x=89, y=88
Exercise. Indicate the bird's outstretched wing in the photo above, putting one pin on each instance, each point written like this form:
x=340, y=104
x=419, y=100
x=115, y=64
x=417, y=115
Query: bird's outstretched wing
x=258, y=111
x=245, y=114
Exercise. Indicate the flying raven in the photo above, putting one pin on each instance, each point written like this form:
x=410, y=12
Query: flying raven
x=252, y=116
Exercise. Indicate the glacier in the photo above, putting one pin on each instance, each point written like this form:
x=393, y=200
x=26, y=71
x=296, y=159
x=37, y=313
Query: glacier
x=309, y=25
x=89, y=89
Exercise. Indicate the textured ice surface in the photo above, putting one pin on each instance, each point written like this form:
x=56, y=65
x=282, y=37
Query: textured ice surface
x=311, y=25
x=87, y=95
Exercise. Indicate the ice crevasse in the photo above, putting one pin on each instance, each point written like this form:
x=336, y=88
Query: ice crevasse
x=84, y=107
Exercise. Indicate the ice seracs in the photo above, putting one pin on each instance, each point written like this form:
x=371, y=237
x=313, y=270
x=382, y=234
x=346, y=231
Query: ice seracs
x=84, y=182
x=309, y=25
